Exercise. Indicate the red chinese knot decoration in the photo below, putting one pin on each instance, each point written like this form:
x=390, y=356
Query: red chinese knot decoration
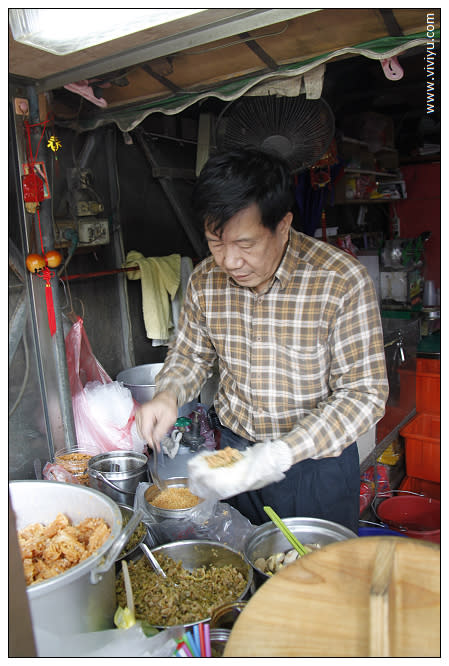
x=33, y=194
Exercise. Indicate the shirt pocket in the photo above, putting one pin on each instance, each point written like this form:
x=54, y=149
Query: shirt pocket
x=304, y=369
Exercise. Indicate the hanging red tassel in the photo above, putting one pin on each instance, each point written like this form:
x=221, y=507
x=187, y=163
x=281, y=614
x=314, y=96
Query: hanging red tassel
x=47, y=274
x=50, y=309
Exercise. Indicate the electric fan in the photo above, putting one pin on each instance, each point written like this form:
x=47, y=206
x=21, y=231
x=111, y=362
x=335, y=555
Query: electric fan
x=297, y=128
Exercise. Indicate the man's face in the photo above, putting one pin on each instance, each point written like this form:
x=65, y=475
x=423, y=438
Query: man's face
x=247, y=251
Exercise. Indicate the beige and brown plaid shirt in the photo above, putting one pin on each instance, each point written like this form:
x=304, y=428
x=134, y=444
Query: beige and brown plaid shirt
x=303, y=362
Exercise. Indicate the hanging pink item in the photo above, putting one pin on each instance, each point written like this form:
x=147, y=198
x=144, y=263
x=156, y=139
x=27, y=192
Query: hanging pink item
x=85, y=90
x=392, y=69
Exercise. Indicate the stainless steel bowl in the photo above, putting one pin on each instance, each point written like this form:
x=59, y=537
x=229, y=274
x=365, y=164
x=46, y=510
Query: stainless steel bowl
x=158, y=514
x=268, y=540
x=194, y=554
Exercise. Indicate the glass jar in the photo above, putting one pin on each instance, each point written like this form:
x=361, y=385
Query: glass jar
x=75, y=461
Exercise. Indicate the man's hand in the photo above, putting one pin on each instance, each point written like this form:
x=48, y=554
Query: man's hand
x=259, y=466
x=155, y=418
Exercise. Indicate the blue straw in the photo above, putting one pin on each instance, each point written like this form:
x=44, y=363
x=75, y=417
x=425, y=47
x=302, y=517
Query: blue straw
x=196, y=638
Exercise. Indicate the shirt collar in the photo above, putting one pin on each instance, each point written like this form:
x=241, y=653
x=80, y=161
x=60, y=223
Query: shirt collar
x=289, y=261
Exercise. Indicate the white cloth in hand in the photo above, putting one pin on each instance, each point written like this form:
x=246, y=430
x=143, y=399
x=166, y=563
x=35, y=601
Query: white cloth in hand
x=261, y=464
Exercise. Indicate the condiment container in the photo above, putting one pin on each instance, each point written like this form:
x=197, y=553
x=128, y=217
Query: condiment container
x=75, y=461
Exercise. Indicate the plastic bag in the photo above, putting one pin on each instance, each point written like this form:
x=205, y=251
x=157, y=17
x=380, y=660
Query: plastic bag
x=99, y=404
x=53, y=472
x=130, y=642
x=211, y=520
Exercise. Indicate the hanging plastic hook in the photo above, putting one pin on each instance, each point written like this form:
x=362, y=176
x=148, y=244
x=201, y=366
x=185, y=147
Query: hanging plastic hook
x=392, y=69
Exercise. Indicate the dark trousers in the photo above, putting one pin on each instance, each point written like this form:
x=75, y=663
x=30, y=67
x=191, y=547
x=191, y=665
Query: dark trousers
x=328, y=488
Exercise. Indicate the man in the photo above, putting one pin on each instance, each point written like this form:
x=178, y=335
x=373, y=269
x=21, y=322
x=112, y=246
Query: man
x=294, y=325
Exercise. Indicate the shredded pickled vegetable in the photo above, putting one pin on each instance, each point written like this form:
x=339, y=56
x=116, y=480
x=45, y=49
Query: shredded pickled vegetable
x=184, y=596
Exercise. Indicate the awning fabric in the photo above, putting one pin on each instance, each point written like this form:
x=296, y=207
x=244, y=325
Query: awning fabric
x=128, y=118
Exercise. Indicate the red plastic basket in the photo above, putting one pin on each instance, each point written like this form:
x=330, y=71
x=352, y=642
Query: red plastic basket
x=421, y=486
x=428, y=386
x=422, y=447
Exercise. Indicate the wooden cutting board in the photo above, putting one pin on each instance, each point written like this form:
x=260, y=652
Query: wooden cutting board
x=370, y=596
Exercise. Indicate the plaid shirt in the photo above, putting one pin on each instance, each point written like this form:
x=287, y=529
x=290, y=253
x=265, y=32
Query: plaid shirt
x=303, y=362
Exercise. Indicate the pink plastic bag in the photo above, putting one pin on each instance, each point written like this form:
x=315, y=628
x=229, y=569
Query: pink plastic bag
x=83, y=367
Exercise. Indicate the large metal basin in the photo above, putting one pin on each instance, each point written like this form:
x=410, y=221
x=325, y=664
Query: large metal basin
x=194, y=554
x=69, y=603
x=141, y=381
x=267, y=539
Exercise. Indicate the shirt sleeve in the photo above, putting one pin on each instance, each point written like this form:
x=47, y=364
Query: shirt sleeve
x=358, y=381
x=190, y=358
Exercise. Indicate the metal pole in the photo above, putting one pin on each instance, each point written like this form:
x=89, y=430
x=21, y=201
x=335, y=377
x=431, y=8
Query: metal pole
x=118, y=249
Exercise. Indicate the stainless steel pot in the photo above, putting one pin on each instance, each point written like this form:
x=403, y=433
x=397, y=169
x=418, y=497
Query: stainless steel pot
x=268, y=540
x=117, y=474
x=81, y=599
x=141, y=381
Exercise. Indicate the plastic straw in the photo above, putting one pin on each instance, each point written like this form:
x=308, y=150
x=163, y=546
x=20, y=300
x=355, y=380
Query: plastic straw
x=207, y=640
x=297, y=545
x=196, y=636
x=189, y=641
x=202, y=645
x=184, y=650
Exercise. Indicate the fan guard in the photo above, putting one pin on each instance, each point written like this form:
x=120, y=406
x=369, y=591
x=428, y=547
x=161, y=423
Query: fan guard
x=299, y=129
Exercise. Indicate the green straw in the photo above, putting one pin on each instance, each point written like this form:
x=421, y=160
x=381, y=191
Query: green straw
x=297, y=545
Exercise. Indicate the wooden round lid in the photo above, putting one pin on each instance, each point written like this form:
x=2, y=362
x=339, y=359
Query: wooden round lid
x=370, y=596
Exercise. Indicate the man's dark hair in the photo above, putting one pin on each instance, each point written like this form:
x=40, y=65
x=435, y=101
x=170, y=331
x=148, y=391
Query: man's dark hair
x=232, y=181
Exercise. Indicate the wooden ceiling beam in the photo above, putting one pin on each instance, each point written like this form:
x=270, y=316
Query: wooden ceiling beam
x=391, y=24
x=259, y=51
x=162, y=79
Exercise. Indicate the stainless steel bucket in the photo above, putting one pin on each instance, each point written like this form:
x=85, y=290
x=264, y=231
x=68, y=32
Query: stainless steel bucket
x=117, y=474
x=141, y=381
x=71, y=602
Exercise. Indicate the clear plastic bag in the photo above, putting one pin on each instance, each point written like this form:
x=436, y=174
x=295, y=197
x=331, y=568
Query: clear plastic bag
x=211, y=520
x=99, y=404
x=130, y=642
x=53, y=472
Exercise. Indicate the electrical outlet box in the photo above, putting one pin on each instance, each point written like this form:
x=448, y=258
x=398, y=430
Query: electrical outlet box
x=93, y=231
x=60, y=227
